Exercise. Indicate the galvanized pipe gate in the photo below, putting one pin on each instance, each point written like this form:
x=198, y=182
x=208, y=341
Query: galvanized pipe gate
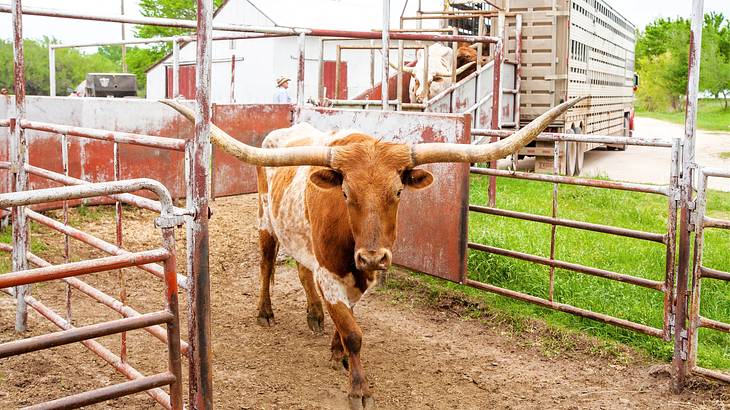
x=682, y=318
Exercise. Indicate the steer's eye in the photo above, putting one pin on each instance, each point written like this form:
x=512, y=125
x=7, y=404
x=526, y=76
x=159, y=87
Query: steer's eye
x=397, y=194
x=344, y=194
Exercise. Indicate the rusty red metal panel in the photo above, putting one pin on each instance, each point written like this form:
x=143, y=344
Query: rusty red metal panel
x=432, y=223
x=248, y=124
x=330, y=79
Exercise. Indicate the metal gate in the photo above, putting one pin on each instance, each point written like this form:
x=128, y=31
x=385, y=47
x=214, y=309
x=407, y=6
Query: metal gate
x=668, y=238
x=700, y=221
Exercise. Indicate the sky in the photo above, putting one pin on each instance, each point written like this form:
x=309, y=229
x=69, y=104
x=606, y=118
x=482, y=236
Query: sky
x=639, y=12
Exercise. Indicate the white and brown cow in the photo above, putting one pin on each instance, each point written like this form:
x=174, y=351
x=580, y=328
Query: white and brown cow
x=331, y=202
x=429, y=80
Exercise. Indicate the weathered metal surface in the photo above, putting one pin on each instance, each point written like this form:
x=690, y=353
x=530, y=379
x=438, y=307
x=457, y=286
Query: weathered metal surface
x=128, y=371
x=587, y=138
x=249, y=124
x=92, y=160
x=100, y=244
x=432, y=222
x=385, y=40
x=601, y=273
x=108, y=393
x=301, y=43
x=624, y=186
x=78, y=334
x=101, y=297
x=695, y=319
x=18, y=158
x=566, y=308
x=200, y=371
x=104, y=135
x=28, y=276
x=680, y=359
x=37, y=196
x=630, y=233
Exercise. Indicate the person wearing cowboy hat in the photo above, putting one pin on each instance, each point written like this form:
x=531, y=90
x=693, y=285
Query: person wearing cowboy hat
x=280, y=95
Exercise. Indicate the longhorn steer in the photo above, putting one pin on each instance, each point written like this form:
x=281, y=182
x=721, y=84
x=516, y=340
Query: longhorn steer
x=437, y=75
x=333, y=206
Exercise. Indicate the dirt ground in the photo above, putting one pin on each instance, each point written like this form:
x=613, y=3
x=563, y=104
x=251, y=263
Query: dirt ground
x=415, y=355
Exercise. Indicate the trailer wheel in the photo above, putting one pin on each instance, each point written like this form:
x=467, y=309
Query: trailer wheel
x=571, y=153
x=627, y=133
x=579, y=154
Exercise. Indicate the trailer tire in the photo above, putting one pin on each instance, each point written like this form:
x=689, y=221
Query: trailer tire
x=579, y=155
x=571, y=152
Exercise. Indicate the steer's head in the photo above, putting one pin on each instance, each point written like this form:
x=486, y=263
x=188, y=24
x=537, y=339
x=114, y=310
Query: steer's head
x=369, y=176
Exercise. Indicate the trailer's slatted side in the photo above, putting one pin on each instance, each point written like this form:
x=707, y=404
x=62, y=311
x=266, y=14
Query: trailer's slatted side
x=537, y=55
x=602, y=65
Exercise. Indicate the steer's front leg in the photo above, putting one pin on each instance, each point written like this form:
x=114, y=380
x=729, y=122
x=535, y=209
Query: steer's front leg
x=351, y=337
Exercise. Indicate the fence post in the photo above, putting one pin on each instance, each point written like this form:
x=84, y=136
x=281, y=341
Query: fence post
x=198, y=150
x=679, y=362
x=19, y=157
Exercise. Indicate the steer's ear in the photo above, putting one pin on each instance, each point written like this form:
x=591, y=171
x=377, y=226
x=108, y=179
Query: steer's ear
x=326, y=178
x=416, y=178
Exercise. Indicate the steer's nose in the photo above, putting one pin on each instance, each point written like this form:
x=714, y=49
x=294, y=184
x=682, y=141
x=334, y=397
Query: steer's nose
x=369, y=259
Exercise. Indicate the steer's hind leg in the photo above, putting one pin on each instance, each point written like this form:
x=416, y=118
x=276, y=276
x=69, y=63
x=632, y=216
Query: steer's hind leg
x=269, y=246
x=338, y=360
x=360, y=396
x=315, y=315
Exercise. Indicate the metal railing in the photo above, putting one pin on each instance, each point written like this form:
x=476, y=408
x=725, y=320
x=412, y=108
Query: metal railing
x=10, y=283
x=668, y=239
x=701, y=221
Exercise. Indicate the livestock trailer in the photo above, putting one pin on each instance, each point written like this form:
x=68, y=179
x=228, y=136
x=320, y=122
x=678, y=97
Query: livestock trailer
x=569, y=48
x=573, y=48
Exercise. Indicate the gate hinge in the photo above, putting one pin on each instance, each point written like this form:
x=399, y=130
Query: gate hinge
x=169, y=221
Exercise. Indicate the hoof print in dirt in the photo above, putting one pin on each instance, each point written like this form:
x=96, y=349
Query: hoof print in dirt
x=361, y=402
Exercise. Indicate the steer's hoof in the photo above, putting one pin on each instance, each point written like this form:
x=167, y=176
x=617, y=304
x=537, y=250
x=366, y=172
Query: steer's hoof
x=316, y=324
x=266, y=320
x=361, y=402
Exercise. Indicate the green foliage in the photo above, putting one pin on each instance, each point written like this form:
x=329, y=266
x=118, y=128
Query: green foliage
x=71, y=66
x=140, y=59
x=711, y=116
x=662, y=61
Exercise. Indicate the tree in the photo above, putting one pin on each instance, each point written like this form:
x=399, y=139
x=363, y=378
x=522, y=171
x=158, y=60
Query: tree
x=140, y=59
x=715, y=66
x=71, y=66
x=662, y=60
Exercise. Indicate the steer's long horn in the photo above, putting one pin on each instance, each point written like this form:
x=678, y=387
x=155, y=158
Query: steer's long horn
x=437, y=152
x=405, y=69
x=269, y=157
x=459, y=71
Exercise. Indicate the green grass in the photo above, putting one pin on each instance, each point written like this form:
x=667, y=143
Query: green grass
x=624, y=255
x=725, y=155
x=712, y=116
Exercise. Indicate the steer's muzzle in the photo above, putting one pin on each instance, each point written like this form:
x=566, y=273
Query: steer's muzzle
x=370, y=260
